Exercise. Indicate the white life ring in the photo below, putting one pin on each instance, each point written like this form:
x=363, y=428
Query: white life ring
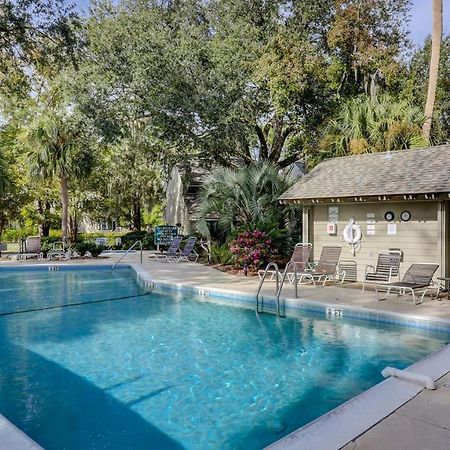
x=352, y=233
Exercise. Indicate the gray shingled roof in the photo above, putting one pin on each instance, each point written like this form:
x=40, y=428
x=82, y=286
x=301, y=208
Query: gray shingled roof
x=419, y=171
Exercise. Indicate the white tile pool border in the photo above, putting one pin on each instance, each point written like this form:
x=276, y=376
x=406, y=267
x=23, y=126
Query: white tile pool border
x=332, y=430
x=11, y=438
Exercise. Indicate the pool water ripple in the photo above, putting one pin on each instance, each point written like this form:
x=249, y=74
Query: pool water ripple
x=169, y=371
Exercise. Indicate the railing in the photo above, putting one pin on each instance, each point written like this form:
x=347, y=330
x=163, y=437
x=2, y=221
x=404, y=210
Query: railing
x=263, y=278
x=128, y=251
x=283, y=279
x=279, y=284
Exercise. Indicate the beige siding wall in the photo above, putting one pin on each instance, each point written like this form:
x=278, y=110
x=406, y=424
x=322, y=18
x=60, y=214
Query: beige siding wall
x=176, y=210
x=418, y=238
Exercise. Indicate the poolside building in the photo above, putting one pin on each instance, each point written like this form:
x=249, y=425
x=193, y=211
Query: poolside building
x=399, y=200
x=183, y=196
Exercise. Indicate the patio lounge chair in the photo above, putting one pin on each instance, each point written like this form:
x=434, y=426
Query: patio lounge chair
x=172, y=252
x=31, y=248
x=326, y=268
x=300, y=257
x=417, y=278
x=387, y=268
x=188, y=253
x=58, y=251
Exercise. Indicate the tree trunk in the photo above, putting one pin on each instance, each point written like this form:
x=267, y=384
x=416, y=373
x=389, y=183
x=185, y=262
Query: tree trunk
x=436, y=38
x=65, y=206
x=44, y=229
x=43, y=209
x=73, y=228
x=137, y=219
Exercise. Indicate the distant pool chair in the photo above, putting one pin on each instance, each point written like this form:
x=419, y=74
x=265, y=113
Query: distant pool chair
x=326, y=268
x=172, y=252
x=31, y=248
x=59, y=252
x=387, y=268
x=188, y=253
x=418, y=278
x=300, y=257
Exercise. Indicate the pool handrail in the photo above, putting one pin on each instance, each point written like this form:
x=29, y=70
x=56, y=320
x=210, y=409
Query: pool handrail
x=283, y=279
x=263, y=278
x=126, y=253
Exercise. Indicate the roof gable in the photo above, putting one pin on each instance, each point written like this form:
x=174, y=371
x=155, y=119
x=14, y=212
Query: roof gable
x=418, y=171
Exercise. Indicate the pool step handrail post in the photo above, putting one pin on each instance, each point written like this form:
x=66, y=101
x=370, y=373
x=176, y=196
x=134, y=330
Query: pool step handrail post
x=263, y=278
x=128, y=251
x=283, y=279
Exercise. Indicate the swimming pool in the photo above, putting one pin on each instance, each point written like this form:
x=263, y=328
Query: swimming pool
x=170, y=370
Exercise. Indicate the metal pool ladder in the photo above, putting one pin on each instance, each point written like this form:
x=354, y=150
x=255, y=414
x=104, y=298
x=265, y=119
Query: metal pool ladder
x=126, y=253
x=279, y=285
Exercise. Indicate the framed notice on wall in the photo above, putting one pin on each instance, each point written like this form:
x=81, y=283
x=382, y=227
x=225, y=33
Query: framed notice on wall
x=333, y=214
x=391, y=228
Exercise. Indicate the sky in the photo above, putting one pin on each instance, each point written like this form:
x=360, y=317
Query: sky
x=419, y=27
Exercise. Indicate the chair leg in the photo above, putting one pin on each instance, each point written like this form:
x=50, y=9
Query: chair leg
x=379, y=292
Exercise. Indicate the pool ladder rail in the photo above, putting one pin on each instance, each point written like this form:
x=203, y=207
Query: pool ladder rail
x=279, y=285
x=128, y=251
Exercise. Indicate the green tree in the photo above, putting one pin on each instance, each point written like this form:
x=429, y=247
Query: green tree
x=366, y=41
x=134, y=179
x=37, y=38
x=244, y=197
x=367, y=125
x=57, y=151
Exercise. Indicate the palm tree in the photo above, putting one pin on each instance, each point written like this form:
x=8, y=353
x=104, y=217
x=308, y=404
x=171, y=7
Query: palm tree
x=436, y=39
x=54, y=152
x=244, y=197
x=366, y=125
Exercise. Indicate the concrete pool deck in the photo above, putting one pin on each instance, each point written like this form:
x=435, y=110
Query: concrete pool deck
x=422, y=422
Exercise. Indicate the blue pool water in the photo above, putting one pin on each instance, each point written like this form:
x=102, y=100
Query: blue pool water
x=165, y=371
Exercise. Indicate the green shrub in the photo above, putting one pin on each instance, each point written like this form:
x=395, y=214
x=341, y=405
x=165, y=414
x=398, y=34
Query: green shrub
x=220, y=254
x=130, y=238
x=87, y=246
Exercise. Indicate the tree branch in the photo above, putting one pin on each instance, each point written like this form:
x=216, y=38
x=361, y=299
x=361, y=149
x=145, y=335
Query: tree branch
x=289, y=160
x=263, y=149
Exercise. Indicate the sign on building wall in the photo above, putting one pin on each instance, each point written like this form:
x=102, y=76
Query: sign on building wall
x=333, y=214
x=391, y=228
x=370, y=231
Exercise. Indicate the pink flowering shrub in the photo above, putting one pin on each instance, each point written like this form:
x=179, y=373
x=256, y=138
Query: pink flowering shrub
x=251, y=249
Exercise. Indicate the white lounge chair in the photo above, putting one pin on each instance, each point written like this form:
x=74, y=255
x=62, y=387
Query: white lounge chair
x=31, y=248
x=300, y=257
x=387, y=268
x=58, y=252
x=326, y=268
x=418, y=278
